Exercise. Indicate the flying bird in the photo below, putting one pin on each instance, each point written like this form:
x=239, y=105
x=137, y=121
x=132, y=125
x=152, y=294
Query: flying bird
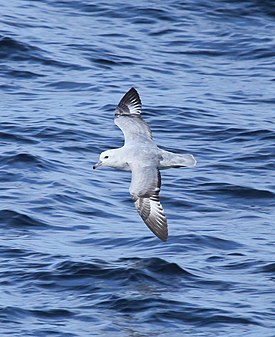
x=144, y=159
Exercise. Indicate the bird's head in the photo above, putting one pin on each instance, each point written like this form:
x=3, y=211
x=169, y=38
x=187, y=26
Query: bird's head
x=106, y=158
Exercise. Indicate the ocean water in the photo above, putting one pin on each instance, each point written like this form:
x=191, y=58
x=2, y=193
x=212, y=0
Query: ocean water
x=76, y=259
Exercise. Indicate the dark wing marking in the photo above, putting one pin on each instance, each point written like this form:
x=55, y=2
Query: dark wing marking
x=130, y=104
x=152, y=214
x=149, y=206
x=129, y=120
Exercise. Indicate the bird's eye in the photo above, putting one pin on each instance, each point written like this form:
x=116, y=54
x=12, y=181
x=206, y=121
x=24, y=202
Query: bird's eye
x=106, y=157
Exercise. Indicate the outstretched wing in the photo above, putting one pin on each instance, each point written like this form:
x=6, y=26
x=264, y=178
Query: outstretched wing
x=129, y=120
x=145, y=188
x=152, y=214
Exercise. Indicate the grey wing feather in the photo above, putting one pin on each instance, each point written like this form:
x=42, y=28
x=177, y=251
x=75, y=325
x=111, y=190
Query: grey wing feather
x=130, y=104
x=145, y=188
x=145, y=180
x=129, y=120
x=152, y=213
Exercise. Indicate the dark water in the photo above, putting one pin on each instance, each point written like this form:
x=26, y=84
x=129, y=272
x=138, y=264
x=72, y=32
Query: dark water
x=76, y=259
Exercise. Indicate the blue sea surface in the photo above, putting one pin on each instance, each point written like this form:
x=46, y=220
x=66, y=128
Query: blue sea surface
x=76, y=260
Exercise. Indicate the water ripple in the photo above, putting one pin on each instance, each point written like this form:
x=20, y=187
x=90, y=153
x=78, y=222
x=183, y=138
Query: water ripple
x=75, y=257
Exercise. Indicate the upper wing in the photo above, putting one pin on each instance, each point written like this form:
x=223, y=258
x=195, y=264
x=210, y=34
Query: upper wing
x=129, y=120
x=145, y=188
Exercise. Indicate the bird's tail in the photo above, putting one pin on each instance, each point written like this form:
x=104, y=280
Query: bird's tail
x=170, y=159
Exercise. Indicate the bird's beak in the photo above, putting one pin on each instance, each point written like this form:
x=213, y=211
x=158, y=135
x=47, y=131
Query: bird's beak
x=97, y=165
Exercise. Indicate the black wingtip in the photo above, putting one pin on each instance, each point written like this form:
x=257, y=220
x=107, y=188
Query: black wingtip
x=132, y=90
x=164, y=238
x=131, y=96
x=129, y=104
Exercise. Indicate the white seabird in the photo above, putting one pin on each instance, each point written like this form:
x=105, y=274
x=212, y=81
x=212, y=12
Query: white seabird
x=144, y=159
